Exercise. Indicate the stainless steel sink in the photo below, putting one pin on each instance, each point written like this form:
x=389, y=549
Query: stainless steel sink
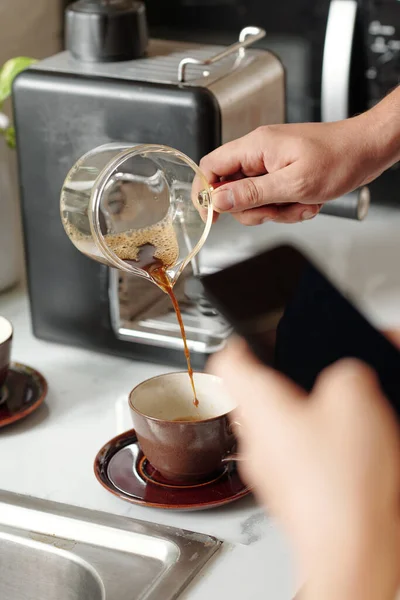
x=50, y=551
x=32, y=570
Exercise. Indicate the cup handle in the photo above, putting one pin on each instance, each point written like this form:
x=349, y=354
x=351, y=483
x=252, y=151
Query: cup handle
x=232, y=458
x=234, y=425
x=237, y=458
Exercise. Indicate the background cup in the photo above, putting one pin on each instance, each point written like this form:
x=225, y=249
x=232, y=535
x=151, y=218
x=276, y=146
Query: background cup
x=183, y=451
x=6, y=333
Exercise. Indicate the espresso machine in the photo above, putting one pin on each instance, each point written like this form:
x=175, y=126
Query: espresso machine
x=112, y=84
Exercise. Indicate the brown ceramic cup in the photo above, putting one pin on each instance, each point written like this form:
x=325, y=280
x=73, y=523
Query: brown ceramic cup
x=183, y=442
x=6, y=334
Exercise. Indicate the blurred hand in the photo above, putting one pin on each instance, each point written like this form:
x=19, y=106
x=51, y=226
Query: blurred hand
x=286, y=172
x=393, y=336
x=327, y=466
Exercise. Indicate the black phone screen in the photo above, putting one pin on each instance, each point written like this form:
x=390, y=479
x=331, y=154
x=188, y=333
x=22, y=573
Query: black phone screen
x=297, y=321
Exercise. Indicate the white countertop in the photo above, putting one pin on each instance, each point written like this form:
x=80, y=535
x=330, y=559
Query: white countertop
x=50, y=454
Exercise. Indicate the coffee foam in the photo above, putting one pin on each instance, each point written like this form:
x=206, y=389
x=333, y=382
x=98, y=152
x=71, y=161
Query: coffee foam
x=161, y=235
x=82, y=241
x=5, y=329
x=127, y=245
x=73, y=232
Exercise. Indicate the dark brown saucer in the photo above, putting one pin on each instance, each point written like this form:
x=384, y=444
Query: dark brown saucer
x=123, y=470
x=23, y=392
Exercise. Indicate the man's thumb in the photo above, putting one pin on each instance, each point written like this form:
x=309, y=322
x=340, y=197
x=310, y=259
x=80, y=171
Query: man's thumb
x=251, y=192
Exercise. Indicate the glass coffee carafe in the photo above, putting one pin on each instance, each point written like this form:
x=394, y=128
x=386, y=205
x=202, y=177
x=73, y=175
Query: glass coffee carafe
x=133, y=207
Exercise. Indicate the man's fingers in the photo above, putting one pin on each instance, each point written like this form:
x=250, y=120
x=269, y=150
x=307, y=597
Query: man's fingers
x=204, y=214
x=293, y=213
x=257, y=216
x=244, y=155
x=350, y=387
x=352, y=397
x=290, y=213
x=253, y=192
x=393, y=336
x=346, y=374
x=252, y=384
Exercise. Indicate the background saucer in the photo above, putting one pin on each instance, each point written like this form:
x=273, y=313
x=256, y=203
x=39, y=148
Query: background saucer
x=22, y=393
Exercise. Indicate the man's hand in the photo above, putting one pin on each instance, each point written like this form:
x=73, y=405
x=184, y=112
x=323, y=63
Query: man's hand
x=286, y=172
x=327, y=466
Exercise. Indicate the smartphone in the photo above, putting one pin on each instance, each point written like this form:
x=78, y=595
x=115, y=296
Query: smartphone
x=295, y=319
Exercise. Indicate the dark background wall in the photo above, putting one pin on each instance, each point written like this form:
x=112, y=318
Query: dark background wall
x=282, y=16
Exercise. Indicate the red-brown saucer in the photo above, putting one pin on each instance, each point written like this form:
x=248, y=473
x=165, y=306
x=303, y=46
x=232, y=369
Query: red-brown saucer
x=23, y=391
x=123, y=470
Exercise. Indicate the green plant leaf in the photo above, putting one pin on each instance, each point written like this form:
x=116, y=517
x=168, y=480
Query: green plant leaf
x=8, y=73
x=9, y=134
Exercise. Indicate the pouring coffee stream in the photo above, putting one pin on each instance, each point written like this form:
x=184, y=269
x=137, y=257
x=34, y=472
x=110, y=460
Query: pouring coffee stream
x=146, y=259
x=160, y=276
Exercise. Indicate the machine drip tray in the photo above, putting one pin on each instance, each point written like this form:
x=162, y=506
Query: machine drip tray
x=142, y=313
